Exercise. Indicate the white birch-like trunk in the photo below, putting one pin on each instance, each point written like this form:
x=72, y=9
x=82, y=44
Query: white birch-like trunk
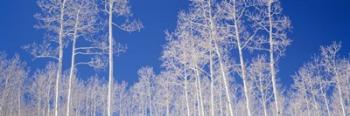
x=272, y=59
x=325, y=100
x=48, y=97
x=340, y=94
x=223, y=73
x=243, y=73
x=315, y=102
x=199, y=90
x=168, y=101
x=241, y=60
x=211, y=82
x=60, y=55
x=263, y=98
x=186, y=95
x=110, y=59
x=197, y=98
x=72, y=65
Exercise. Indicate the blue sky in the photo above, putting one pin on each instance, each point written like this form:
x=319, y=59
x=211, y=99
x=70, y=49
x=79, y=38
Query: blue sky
x=315, y=23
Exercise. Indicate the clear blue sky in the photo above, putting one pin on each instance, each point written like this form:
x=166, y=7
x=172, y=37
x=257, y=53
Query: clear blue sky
x=315, y=23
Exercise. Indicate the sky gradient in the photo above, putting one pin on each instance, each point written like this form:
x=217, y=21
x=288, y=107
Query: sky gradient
x=314, y=22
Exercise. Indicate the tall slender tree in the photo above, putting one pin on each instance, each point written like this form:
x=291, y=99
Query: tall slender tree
x=83, y=26
x=260, y=85
x=275, y=24
x=12, y=77
x=53, y=18
x=332, y=65
x=118, y=8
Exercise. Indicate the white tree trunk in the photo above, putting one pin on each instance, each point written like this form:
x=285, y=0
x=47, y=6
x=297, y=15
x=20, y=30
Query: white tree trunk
x=199, y=90
x=315, y=102
x=241, y=60
x=211, y=82
x=263, y=98
x=48, y=97
x=243, y=69
x=110, y=59
x=272, y=60
x=223, y=73
x=186, y=95
x=340, y=94
x=60, y=56
x=72, y=65
x=325, y=100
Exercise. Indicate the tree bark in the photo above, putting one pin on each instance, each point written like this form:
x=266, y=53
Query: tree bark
x=72, y=67
x=272, y=59
x=60, y=55
x=110, y=58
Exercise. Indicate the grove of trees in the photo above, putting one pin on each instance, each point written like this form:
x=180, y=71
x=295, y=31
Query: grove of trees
x=221, y=60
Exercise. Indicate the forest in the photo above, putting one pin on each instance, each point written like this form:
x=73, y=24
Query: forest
x=220, y=60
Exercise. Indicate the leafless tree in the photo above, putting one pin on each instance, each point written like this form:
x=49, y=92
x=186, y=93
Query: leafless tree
x=12, y=77
x=268, y=17
x=261, y=85
x=53, y=18
x=117, y=8
x=333, y=66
